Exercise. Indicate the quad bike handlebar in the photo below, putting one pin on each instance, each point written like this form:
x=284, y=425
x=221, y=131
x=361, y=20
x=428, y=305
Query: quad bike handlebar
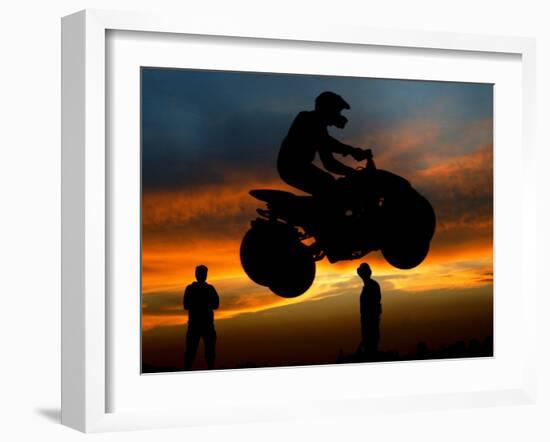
x=368, y=154
x=368, y=159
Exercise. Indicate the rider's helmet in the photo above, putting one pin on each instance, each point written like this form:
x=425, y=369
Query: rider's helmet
x=330, y=105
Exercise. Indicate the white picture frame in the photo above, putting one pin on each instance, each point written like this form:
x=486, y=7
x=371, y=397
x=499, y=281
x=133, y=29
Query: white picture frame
x=85, y=206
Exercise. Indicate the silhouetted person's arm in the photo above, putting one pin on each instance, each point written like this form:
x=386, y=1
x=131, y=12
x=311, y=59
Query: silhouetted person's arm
x=187, y=298
x=363, y=306
x=377, y=296
x=215, y=299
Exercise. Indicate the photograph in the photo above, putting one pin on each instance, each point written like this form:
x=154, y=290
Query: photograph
x=299, y=220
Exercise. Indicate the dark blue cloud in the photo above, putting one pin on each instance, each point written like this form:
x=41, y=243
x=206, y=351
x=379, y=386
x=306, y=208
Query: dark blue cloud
x=198, y=125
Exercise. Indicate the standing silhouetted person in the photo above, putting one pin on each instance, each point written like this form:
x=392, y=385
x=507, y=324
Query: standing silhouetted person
x=200, y=300
x=307, y=136
x=371, y=309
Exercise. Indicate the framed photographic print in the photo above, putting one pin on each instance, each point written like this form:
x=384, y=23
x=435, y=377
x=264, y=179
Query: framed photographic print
x=283, y=279
x=292, y=222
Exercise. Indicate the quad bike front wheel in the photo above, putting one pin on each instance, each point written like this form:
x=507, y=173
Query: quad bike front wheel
x=406, y=256
x=408, y=228
x=273, y=256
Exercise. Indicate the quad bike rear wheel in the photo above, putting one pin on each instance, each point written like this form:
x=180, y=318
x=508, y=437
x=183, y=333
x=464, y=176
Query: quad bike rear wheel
x=273, y=256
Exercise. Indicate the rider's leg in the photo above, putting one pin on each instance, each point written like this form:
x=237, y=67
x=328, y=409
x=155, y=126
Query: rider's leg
x=311, y=180
x=332, y=222
x=322, y=186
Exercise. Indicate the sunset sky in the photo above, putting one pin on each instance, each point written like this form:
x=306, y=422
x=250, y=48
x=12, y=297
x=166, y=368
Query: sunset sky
x=209, y=137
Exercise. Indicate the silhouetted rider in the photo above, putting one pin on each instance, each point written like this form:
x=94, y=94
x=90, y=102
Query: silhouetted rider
x=200, y=300
x=307, y=136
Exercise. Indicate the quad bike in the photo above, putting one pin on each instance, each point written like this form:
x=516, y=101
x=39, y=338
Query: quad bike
x=369, y=210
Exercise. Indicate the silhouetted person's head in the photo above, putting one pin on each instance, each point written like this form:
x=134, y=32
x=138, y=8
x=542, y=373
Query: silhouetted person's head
x=329, y=105
x=201, y=272
x=364, y=271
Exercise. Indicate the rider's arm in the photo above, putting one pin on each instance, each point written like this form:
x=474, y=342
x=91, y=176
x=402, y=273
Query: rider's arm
x=332, y=164
x=338, y=147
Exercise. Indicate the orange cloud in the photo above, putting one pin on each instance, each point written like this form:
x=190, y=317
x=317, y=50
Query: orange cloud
x=184, y=228
x=466, y=268
x=216, y=201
